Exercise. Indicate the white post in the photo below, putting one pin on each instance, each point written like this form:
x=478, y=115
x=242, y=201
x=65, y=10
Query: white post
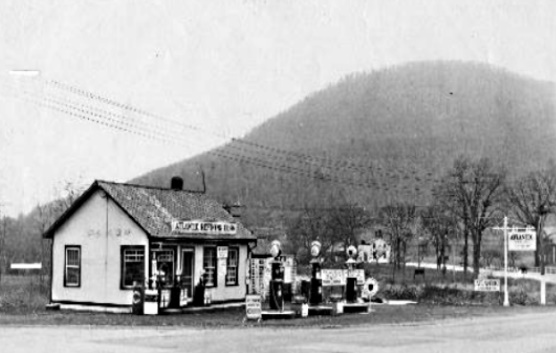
x=506, y=297
x=543, y=290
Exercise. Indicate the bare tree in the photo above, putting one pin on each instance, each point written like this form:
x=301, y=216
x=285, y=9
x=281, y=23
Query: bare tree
x=347, y=219
x=310, y=225
x=530, y=199
x=473, y=191
x=400, y=220
x=441, y=226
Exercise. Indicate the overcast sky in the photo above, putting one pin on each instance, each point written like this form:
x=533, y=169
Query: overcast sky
x=222, y=66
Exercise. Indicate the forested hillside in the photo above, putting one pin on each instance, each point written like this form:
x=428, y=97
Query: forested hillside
x=377, y=137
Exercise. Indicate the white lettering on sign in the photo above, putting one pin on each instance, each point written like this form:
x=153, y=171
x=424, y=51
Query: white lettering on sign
x=522, y=240
x=487, y=285
x=253, y=307
x=203, y=227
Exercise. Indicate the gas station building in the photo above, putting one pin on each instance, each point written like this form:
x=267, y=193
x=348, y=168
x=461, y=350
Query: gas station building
x=119, y=237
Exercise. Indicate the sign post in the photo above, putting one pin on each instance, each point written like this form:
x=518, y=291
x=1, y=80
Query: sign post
x=520, y=239
x=506, y=296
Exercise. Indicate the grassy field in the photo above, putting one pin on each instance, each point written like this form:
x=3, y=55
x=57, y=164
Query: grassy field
x=23, y=300
x=381, y=315
x=23, y=294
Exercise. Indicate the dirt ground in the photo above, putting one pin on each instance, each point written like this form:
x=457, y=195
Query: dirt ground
x=523, y=330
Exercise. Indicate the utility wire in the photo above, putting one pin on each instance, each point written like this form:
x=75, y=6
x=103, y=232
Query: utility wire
x=112, y=120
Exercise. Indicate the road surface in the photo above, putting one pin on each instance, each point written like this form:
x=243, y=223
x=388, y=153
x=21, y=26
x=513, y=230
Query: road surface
x=510, y=333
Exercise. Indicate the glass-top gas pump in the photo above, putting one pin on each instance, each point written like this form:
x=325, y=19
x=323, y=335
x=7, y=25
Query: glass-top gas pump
x=315, y=295
x=276, y=277
x=351, y=280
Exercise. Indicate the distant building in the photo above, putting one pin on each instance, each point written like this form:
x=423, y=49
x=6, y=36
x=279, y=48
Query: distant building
x=116, y=237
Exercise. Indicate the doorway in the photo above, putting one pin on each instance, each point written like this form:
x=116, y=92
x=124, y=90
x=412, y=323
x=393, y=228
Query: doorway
x=187, y=270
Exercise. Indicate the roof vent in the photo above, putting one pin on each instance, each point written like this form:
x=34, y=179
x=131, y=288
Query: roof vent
x=176, y=183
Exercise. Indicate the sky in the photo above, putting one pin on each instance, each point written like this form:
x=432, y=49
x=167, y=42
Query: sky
x=220, y=67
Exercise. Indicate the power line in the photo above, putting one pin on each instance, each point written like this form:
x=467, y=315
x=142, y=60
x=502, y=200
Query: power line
x=111, y=120
x=93, y=96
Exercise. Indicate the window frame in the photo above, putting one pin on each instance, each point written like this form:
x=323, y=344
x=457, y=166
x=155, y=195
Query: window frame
x=78, y=266
x=236, y=279
x=214, y=263
x=123, y=249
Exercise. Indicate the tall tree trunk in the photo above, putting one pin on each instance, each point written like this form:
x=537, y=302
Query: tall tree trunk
x=476, y=252
x=465, y=250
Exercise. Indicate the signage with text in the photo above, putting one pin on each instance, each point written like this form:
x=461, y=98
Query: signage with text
x=203, y=227
x=253, y=307
x=333, y=278
x=522, y=240
x=487, y=285
x=222, y=252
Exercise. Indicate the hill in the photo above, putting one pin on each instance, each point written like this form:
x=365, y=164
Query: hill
x=376, y=137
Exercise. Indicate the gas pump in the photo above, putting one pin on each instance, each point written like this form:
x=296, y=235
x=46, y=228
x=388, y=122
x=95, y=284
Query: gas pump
x=351, y=280
x=276, y=278
x=315, y=294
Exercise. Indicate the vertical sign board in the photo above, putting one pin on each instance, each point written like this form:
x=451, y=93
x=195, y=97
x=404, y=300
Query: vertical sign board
x=522, y=240
x=258, y=276
x=487, y=285
x=253, y=307
x=222, y=252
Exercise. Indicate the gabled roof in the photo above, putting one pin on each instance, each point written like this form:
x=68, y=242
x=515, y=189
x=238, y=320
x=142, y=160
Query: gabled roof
x=153, y=209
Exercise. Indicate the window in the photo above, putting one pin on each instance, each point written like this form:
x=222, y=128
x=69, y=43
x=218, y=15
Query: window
x=165, y=267
x=231, y=267
x=132, y=266
x=209, y=265
x=72, y=270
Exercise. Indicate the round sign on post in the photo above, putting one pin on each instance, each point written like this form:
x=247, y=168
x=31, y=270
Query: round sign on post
x=370, y=288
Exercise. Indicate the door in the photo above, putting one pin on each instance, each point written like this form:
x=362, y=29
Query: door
x=187, y=270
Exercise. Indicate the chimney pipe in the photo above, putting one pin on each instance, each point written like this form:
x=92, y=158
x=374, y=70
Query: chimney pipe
x=176, y=183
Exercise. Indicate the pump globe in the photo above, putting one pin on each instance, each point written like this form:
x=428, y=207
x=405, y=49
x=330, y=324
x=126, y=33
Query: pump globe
x=315, y=248
x=352, y=251
x=275, y=248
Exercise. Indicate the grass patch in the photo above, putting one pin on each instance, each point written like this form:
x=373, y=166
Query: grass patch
x=23, y=294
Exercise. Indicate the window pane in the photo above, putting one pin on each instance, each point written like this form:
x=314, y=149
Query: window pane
x=73, y=267
x=72, y=276
x=72, y=257
x=133, y=266
x=209, y=264
x=231, y=273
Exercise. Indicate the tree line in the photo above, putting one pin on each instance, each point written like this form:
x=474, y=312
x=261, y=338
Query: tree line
x=471, y=197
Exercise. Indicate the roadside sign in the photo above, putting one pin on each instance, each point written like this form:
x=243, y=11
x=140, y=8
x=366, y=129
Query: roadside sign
x=522, y=239
x=333, y=278
x=487, y=285
x=253, y=307
x=370, y=288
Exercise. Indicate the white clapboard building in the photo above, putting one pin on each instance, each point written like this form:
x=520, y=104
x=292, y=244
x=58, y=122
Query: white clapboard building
x=116, y=237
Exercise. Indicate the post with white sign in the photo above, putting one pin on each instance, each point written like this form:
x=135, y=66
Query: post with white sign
x=505, y=230
x=253, y=307
x=516, y=239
